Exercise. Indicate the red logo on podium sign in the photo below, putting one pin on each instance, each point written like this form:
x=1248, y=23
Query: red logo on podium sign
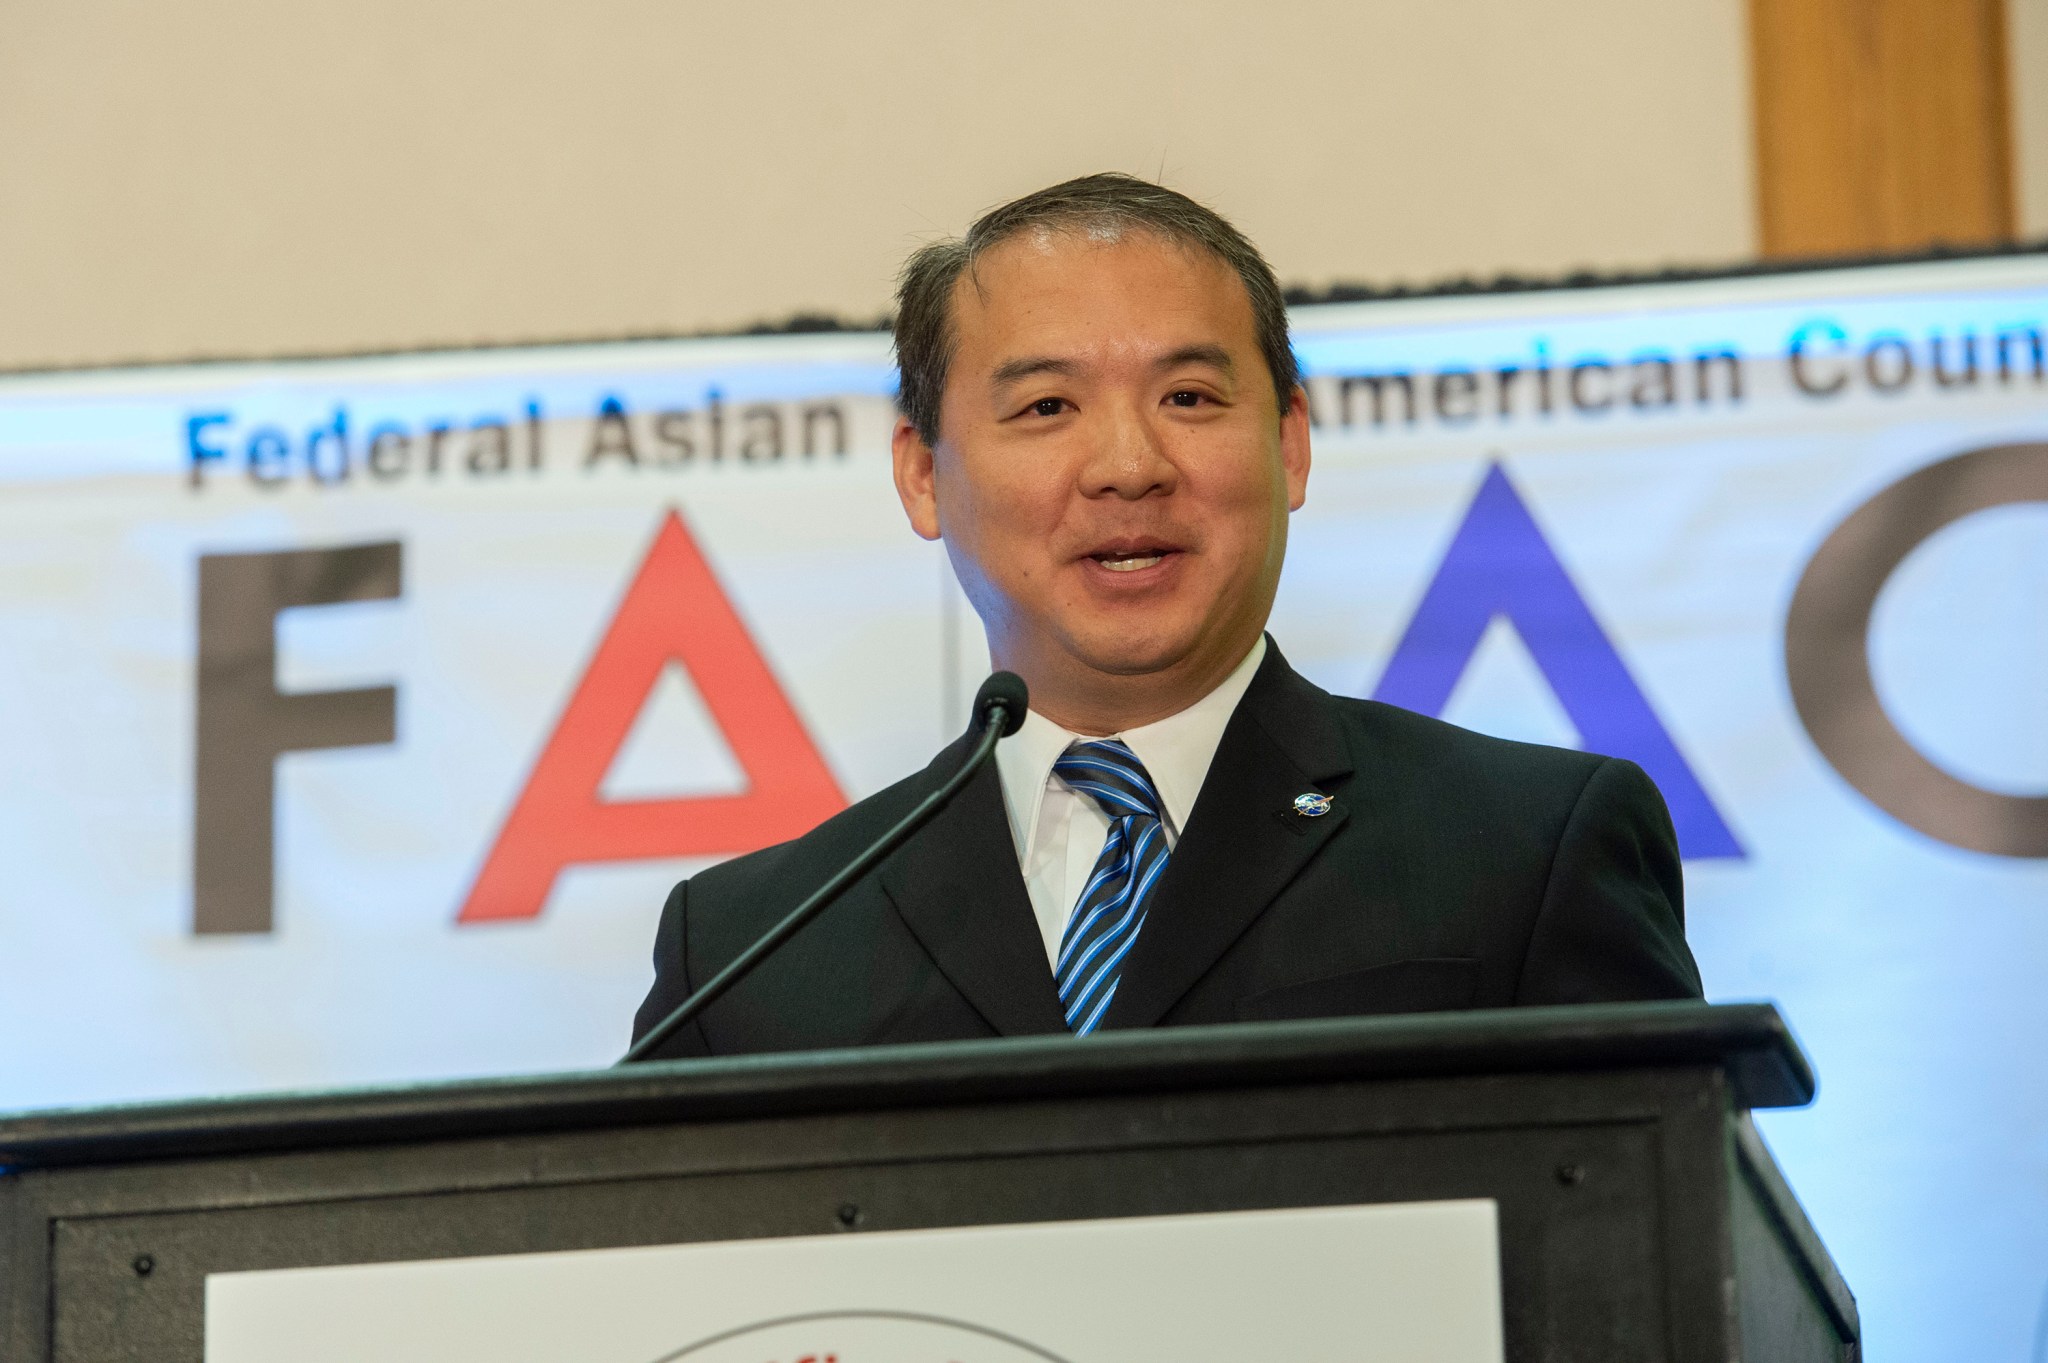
x=673, y=611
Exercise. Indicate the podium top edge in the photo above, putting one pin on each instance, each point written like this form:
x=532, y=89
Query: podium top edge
x=1750, y=1042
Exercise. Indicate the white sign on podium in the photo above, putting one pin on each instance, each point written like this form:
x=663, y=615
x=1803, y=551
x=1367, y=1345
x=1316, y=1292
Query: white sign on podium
x=1403, y=1283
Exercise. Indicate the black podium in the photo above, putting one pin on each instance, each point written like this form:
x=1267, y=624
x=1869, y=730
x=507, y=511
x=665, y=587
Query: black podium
x=1640, y=1218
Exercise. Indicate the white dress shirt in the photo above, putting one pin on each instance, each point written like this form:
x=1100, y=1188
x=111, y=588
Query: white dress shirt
x=1059, y=832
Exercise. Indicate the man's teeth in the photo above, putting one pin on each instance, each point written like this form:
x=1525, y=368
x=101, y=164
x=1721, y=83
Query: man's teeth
x=1131, y=563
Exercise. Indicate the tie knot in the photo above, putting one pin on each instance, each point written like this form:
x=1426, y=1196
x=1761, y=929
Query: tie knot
x=1111, y=775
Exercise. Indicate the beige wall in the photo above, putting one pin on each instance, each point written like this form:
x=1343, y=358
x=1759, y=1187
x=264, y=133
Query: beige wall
x=184, y=177
x=2027, y=40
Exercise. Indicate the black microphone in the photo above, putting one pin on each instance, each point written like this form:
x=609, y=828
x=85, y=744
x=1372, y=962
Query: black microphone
x=998, y=712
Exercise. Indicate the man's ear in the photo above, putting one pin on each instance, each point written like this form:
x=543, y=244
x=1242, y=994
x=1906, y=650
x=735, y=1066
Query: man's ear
x=1294, y=455
x=913, y=465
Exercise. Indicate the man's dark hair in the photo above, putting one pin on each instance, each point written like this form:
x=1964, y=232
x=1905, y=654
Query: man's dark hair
x=1105, y=205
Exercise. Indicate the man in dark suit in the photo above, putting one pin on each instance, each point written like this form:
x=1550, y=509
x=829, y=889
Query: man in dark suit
x=1103, y=421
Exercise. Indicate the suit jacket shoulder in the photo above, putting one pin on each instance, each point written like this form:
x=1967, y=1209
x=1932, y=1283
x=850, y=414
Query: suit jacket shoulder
x=1453, y=870
x=1586, y=836
x=1484, y=787
x=1434, y=749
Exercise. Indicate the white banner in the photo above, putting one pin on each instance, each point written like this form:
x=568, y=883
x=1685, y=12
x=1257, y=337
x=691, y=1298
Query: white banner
x=1405, y=1283
x=355, y=715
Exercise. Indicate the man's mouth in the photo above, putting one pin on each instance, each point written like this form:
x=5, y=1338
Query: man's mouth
x=1132, y=554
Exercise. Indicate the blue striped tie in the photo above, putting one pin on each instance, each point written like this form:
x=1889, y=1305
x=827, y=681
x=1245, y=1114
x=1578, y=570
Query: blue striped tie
x=1111, y=910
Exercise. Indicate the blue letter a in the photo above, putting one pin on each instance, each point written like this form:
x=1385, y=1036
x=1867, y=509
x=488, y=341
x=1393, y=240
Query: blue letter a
x=1499, y=564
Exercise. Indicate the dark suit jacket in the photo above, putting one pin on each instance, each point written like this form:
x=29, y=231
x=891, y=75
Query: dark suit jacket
x=1453, y=871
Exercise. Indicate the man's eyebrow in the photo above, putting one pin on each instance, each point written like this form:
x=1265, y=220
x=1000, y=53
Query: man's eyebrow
x=1215, y=356
x=1010, y=371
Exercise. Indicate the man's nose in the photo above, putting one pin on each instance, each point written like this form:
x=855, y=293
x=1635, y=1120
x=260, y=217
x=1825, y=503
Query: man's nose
x=1128, y=459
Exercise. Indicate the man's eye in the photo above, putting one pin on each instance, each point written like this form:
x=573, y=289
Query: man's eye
x=1049, y=406
x=1186, y=397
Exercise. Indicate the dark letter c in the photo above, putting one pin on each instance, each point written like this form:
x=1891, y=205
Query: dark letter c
x=1827, y=655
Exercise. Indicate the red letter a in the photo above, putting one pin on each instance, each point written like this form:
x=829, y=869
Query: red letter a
x=674, y=610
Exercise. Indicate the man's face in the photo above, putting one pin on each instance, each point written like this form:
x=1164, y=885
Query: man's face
x=1113, y=472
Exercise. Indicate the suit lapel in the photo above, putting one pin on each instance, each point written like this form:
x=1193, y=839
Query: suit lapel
x=958, y=887
x=1243, y=843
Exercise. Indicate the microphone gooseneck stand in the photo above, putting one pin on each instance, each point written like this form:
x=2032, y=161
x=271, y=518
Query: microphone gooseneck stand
x=998, y=710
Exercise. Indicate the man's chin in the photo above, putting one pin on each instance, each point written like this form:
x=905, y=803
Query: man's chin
x=1125, y=655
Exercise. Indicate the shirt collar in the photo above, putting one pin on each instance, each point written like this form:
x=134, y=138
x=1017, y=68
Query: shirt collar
x=1176, y=752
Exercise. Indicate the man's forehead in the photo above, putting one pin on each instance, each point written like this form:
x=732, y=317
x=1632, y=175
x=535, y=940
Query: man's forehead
x=1144, y=297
